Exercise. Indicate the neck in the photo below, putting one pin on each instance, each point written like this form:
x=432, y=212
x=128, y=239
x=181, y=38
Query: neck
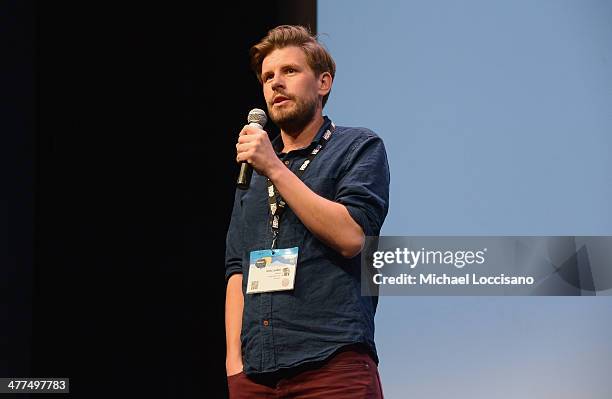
x=302, y=138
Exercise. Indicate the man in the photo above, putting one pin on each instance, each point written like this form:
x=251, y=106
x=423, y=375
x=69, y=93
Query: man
x=319, y=190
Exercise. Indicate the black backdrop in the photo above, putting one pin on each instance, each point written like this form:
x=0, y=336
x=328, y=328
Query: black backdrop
x=121, y=178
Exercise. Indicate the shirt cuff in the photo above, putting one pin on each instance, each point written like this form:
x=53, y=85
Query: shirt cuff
x=231, y=271
x=362, y=219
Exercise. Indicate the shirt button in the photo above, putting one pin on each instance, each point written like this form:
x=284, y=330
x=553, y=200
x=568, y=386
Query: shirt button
x=266, y=323
x=286, y=162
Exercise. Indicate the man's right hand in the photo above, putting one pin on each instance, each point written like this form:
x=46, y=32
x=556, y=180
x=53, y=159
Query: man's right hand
x=234, y=305
x=233, y=366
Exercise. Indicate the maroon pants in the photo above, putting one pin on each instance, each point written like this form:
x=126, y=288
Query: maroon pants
x=350, y=374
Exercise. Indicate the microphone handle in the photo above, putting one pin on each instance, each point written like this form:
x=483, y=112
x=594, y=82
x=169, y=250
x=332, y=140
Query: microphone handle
x=246, y=171
x=244, y=176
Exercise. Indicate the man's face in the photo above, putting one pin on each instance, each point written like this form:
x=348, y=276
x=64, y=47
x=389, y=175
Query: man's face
x=290, y=87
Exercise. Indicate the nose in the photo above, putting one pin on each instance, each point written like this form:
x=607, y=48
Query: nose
x=277, y=82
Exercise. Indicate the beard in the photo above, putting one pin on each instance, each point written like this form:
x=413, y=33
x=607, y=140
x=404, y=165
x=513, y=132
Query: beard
x=293, y=118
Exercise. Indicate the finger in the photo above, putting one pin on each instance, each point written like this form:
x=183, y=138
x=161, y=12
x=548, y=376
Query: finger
x=241, y=159
x=247, y=129
x=246, y=138
x=243, y=131
x=242, y=147
x=257, y=137
x=251, y=130
x=244, y=156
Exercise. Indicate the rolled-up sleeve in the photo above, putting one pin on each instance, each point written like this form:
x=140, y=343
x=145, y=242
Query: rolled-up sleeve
x=234, y=246
x=363, y=186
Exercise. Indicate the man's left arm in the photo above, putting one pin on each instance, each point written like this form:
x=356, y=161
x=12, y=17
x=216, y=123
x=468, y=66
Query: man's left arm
x=327, y=220
x=360, y=205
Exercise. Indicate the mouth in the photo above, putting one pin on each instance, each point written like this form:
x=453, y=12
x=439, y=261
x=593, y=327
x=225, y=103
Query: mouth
x=280, y=100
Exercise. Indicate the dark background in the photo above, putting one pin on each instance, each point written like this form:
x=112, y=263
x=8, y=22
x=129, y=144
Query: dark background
x=118, y=174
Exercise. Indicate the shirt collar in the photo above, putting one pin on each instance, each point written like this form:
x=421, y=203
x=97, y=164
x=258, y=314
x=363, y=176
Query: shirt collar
x=278, y=144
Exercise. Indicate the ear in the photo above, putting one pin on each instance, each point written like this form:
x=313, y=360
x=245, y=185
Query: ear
x=325, y=83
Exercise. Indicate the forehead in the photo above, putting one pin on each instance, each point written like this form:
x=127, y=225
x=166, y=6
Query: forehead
x=284, y=56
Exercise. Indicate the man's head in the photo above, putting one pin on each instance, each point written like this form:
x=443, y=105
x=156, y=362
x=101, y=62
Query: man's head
x=296, y=72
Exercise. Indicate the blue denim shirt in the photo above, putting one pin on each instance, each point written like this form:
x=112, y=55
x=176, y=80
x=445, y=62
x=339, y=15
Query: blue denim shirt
x=325, y=311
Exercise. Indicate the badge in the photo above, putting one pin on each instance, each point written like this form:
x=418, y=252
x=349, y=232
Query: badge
x=272, y=270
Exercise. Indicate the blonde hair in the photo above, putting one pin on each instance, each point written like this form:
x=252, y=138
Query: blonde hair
x=317, y=56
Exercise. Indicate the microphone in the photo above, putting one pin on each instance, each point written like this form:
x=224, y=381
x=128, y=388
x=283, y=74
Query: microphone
x=257, y=118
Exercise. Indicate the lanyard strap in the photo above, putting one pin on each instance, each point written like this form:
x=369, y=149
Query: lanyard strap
x=275, y=201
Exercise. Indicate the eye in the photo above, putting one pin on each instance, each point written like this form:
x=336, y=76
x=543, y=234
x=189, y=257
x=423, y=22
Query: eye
x=290, y=70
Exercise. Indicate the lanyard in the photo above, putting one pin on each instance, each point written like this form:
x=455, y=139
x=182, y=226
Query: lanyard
x=275, y=201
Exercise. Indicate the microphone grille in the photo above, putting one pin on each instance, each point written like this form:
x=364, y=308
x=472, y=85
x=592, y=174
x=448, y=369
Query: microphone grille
x=258, y=116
